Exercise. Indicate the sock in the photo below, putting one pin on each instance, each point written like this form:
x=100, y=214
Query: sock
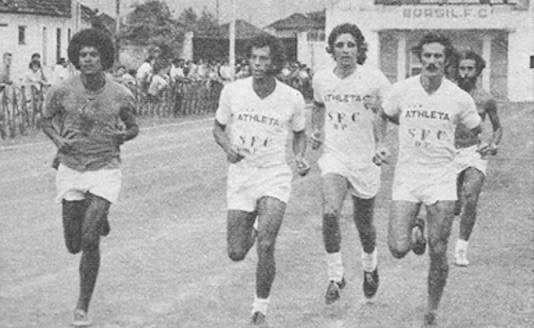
x=461, y=245
x=369, y=261
x=335, y=266
x=260, y=305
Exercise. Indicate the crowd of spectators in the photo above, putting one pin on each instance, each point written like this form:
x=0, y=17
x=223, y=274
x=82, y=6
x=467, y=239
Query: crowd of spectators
x=153, y=77
x=155, y=74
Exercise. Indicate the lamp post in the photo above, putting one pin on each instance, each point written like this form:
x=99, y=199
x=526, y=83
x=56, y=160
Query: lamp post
x=232, y=41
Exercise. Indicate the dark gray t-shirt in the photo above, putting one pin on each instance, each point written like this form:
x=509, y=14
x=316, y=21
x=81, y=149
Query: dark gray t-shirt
x=90, y=118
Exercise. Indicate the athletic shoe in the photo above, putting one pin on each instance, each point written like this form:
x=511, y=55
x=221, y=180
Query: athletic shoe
x=429, y=319
x=81, y=319
x=258, y=318
x=370, y=283
x=334, y=290
x=420, y=244
x=460, y=258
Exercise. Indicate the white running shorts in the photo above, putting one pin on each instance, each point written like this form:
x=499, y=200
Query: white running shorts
x=247, y=184
x=72, y=185
x=469, y=157
x=427, y=191
x=364, y=182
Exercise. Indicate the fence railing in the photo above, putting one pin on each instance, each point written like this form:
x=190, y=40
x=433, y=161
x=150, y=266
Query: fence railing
x=179, y=99
x=21, y=107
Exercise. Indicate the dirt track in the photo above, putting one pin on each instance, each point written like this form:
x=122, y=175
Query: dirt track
x=165, y=263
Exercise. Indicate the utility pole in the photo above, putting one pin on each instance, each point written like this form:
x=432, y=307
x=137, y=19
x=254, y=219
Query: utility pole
x=117, y=28
x=232, y=41
x=217, y=12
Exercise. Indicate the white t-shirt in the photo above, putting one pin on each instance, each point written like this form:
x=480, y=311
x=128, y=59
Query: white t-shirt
x=157, y=84
x=176, y=73
x=349, y=134
x=143, y=72
x=260, y=127
x=426, y=127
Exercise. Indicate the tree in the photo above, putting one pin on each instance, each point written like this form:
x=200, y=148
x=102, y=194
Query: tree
x=188, y=20
x=150, y=24
x=207, y=23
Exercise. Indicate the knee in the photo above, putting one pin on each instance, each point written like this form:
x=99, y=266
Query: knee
x=236, y=254
x=330, y=212
x=330, y=218
x=397, y=251
x=397, y=247
x=90, y=242
x=265, y=247
x=437, y=247
x=471, y=197
x=73, y=247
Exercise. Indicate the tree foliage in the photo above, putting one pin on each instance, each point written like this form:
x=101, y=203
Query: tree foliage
x=151, y=24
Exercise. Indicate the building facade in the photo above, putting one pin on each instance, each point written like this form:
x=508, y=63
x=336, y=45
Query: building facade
x=38, y=26
x=502, y=31
x=304, y=37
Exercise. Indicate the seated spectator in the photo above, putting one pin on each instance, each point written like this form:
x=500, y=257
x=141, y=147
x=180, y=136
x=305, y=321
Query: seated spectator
x=144, y=73
x=243, y=72
x=61, y=71
x=124, y=77
x=34, y=80
x=5, y=70
x=159, y=80
x=177, y=70
x=225, y=72
x=36, y=57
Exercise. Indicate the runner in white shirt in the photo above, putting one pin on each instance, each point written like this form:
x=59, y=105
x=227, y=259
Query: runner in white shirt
x=346, y=101
x=252, y=126
x=471, y=159
x=428, y=108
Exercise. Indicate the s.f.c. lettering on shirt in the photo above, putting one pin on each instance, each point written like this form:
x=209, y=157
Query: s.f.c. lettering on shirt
x=426, y=138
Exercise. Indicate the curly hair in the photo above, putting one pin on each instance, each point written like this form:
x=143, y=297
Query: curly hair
x=276, y=48
x=353, y=30
x=433, y=37
x=92, y=38
x=480, y=63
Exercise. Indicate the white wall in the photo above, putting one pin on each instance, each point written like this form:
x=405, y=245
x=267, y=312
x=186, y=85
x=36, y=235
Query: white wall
x=312, y=53
x=35, y=41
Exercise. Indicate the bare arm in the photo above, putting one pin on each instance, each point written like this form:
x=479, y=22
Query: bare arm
x=318, y=113
x=392, y=119
x=382, y=152
x=132, y=129
x=221, y=138
x=491, y=109
x=299, y=148
x=46, y=125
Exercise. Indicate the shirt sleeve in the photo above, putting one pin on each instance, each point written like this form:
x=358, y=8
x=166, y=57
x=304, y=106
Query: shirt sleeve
x=469, y=116
x=317, y=96
x=128, y=101
x=298, y=122
x=224, y=110
x=52, y=105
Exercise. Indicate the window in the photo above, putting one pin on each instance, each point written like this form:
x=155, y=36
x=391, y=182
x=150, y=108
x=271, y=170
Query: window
x=22, y=34
x=316, y=35
x=58, y=44
x=415, y=66
x=45, y=47
x=68, y=35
